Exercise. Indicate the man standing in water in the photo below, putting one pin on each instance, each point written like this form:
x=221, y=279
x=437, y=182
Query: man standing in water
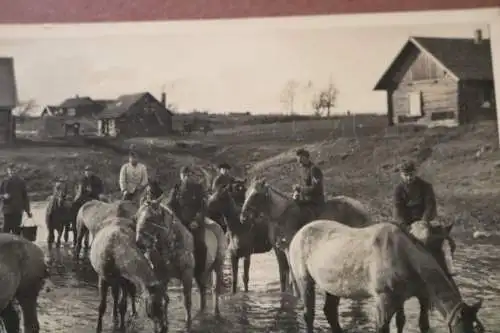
x=309, y=194
x=187, y=201
x=15, y=201
x=133, y=178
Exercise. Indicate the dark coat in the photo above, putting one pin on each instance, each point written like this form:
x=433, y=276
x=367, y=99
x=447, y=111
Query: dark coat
x=91, y=187
x=312, y=184
x=414, y=202
x=187, y=200
x=19, y=199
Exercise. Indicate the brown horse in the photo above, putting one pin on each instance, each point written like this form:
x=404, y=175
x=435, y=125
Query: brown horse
x=237, y=190
x=93, y=216
x=158, y=231
x=381, y=261
x=244, y=239
x=263, y=200
x=23, y=272
x=58, y=215
x=121, y=265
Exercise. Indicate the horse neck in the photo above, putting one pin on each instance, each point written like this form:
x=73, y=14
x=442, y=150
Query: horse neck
x=278, y=203
x=442, y=290
x=232, y=215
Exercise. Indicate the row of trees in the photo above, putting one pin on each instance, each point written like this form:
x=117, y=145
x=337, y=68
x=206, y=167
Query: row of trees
x=322, y=101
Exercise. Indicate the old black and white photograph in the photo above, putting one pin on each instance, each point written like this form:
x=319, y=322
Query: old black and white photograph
x=239, y=177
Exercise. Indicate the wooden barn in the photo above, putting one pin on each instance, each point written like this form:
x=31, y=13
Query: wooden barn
x=440, y=82
x=8, y=101
x=135, y=115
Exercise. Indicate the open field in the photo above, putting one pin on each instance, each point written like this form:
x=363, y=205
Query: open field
x=358, y=156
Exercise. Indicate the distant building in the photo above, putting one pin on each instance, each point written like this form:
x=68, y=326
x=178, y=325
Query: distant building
x=135, y=115
x=440, y=81
x=8, y=100
x=80, y=107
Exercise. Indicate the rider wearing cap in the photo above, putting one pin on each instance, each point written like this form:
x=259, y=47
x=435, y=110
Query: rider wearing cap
x=187, y=201
x=91, y=186
x=309, y=194
x=224, y=177
x=133, y=177
x=414, y=198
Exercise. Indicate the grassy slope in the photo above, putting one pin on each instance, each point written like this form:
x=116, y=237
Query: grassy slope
x=357, y=160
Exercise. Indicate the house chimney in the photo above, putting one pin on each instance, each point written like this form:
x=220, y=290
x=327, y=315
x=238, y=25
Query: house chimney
x=164, y=99
x=478, y=36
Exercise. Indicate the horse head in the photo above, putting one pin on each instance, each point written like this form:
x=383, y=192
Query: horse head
x=151, y=218
x=464, y=318
x=256, y=200
x=238, y=189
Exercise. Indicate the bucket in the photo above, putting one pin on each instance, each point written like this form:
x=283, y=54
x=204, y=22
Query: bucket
x=29, y=232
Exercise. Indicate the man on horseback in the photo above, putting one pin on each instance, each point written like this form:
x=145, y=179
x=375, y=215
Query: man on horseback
x=91, y=187
x=133, y=177
x=309, y=195
x=187, y=201
x=223, y=178
x=414, y=198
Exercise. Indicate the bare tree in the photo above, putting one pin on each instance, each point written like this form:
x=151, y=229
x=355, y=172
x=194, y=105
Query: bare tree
x=288, y=95
x=24, y=108
x=325, y=100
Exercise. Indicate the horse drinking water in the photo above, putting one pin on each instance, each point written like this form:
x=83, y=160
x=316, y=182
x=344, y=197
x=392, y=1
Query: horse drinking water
x=121, y=265
x=381, y=261
x=169, y=245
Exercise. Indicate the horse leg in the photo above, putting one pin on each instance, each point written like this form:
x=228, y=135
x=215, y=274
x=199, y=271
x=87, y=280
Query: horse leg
x=385, y=308
x=103, y=293
x=60, y=230
x=28, y=303
x=187, y=288
x=400, y=319
x=50, y=235
x=11, y=319
x=87, y=240
x=123, y=304
x=309, y=298
x=201, y=282
x=283, y=268
x=234, y=267
x=132, y=290
x=331, y=311
x=246, y=271
x=80, y=234
x=66, y=227
x=219, y=285
x=423, y=321
x=115, y=291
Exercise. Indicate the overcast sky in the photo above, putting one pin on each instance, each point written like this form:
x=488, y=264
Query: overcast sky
x=221, y=71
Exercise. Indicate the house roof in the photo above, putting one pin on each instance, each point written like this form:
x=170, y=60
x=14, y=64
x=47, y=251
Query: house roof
x=75, y=102
x=123, y=104
x=462, y=57
x=8, y=89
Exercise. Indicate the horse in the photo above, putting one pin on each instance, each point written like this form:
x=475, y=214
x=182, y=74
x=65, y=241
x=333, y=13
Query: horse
x=263, y=199
x=244, y=239
x=158, y=230
x=120, y=264
x=381, y=261
x=284, y=225
x=237, y=189
x=58, y=215
x=23, y=271
x=93, y=216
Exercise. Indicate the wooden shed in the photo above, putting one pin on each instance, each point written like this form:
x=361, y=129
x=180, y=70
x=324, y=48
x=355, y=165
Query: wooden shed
x=8, y=101
x=440, y=81
x=135, y=115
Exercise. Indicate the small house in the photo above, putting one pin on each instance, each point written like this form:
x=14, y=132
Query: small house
x=135, y=115
x=8, y=101
x=79, y=107
x=440, y=81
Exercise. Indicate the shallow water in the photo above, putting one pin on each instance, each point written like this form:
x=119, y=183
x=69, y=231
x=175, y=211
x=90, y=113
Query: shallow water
x=71, y=303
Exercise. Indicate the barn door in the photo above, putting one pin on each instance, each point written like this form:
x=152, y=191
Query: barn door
x=415, y=104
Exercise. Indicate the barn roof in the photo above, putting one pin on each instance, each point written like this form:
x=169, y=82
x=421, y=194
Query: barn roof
x=462, y=57
x=8, y=89
x=122, y=105
x=75, y=102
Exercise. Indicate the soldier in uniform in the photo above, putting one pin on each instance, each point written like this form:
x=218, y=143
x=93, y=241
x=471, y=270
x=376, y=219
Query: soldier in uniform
x=187, y=201
x=414, y=198
x=90, y=186
x=224, y=177
x=309, y=194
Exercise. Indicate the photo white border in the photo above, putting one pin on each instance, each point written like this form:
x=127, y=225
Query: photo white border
x=489, y=16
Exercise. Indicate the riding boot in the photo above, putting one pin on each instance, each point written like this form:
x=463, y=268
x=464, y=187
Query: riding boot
x=200, y=251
